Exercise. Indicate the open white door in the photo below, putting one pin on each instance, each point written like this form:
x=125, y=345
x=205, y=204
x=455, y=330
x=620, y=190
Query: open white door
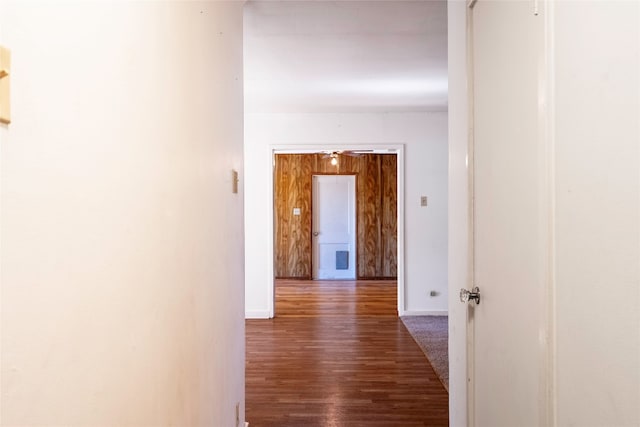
x=334, y=226
x=507, y=352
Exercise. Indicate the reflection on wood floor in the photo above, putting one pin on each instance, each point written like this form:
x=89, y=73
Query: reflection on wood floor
x=337, y=355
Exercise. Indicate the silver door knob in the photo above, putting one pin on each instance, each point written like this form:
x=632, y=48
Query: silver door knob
x=473, y=295
x=315, y=233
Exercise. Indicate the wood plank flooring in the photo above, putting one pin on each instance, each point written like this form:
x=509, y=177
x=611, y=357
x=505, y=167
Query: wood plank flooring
x=337, y=355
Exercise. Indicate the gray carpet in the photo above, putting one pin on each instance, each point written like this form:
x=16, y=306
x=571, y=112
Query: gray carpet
x=432, y=335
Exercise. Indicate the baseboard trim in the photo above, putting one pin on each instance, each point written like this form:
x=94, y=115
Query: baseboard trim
x=425, y=313
x=256, y=315
x=259, y=314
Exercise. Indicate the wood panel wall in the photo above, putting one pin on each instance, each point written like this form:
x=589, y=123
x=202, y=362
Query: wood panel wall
x=376, y=193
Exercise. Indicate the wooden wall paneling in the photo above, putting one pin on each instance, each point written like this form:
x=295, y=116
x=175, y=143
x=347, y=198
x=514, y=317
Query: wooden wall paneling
x=379, y=214
x=364, y=204
x=281, y=222
x=379, y=258
x=304, y=242
x=356, y=167
x=376, y=213
x=292, y=190
x=389, y=216
x=346, y=164
x=292, y=195
x=323, y=165
x=369, y=235
x=367, y=239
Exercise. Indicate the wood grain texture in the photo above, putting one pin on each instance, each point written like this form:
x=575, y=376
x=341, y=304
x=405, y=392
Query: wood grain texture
x=338, y=355
x=292, y=182
x=376, y=192
x=369, y=232
x=389, y=227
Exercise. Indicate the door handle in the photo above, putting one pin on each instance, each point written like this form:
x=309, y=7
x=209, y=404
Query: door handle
x=473, y=295
x=315, y=233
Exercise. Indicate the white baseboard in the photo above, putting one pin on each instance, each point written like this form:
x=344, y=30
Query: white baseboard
x=257, y=314
x=260, y=314
x=425, y=313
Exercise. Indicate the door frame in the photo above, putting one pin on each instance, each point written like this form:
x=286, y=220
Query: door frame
x=355, y=220
x=397, y=149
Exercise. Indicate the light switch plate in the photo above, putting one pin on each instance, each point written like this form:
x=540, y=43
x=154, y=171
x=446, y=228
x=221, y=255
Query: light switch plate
x=5, y=70
x=423, y=201
x=296, y=211
x=234, y=181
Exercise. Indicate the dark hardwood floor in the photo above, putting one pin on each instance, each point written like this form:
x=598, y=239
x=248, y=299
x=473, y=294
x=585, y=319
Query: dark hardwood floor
x=337, y=355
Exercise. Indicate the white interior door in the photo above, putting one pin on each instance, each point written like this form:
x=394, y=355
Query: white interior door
x=334, y=226
x=506, y=356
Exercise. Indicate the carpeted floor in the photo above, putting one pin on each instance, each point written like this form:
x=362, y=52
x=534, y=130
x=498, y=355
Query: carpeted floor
x=432, y=335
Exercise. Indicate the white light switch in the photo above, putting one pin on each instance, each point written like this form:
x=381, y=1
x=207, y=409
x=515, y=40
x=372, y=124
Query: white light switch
x=423, y=201
x=296, y=211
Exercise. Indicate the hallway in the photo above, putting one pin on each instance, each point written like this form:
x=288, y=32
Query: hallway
x=337, y=355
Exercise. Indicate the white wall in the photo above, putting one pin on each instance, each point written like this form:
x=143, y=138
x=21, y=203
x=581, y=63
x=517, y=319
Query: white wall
x=122, y=244
x=425, y=138
x=597, y=138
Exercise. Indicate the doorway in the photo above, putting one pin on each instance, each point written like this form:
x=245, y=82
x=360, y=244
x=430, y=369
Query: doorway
x=292, y=232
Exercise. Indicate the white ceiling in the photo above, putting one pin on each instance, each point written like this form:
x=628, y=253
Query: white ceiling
x=309, y=56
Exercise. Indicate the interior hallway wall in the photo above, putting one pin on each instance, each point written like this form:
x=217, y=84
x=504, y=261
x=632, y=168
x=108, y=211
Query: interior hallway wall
x=122, y=243
x=597, y=168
